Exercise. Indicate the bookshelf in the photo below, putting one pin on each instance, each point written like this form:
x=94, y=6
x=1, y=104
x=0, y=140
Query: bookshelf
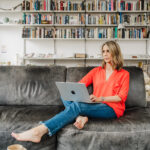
x=83, y=21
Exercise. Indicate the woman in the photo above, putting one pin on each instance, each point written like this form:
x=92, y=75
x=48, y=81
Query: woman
x=110, y=90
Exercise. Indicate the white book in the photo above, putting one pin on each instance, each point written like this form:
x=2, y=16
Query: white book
x=109, y=33
x=86, y=19
x=42, y=33
x=145, y=5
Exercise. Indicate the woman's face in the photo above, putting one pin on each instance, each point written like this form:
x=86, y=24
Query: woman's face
x=106, y=54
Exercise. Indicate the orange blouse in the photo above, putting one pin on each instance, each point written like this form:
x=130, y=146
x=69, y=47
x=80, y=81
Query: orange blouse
x=116, y=84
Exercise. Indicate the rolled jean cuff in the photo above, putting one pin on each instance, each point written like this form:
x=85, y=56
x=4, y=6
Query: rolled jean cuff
x=49, y=132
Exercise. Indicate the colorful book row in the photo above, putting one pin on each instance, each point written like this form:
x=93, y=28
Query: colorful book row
x=53, y=33
x=94, y=5
x=137, y=33
x=37, y=19
x=98, y=19
x=111, y=32
x=134, y=5
x=53, y=5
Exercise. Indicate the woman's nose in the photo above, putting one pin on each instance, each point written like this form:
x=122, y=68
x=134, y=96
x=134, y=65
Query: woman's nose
x=105, y=53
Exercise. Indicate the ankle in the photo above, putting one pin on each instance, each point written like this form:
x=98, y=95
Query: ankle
x=41, y=129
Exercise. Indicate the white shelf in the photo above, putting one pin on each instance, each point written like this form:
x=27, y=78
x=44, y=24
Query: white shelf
x=80, y=39
x=69, y=25
x=54, y=39
x=122, y=11
x=53, y=25
x=101, y=25
x=98, y=11
x=134, y=11
x=133, y=59
x=10, y=25
x=34, y=58
x=50, y=39
x=52, y=11
x=37, y=58
x=37, y=25
x=119, y=39
x=65, y=11
x=11, y=11
x=136, y=25
x=137, y=59
x=94, y=59
x=70, y=58
x=92, y=39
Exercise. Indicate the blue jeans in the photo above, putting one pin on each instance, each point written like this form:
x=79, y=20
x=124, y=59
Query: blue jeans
x=73, y=110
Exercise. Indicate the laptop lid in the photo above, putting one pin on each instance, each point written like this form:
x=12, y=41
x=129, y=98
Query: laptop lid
x=73, y=91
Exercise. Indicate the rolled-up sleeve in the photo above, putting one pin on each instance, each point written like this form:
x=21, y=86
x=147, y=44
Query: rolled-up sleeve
x=123, y=92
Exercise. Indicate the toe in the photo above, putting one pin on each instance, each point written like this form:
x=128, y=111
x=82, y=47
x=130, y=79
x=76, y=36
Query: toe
x=14, y=135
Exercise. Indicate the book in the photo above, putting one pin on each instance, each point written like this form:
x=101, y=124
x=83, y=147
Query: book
x=80, y=55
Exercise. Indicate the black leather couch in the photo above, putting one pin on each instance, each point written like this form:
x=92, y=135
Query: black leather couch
x=29, y=95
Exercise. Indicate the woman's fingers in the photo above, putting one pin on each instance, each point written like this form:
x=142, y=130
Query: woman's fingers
x=93, y=99
x=91, y=96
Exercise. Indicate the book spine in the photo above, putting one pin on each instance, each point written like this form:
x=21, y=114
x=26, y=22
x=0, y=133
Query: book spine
x=109, y=5
x=120, y=17
x=112, y=5
x=116, y=29
x=39, y=16
x=44, y=4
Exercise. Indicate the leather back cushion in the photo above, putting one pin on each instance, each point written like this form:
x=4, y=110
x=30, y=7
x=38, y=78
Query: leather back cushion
x=136, y=95
x=21, y=85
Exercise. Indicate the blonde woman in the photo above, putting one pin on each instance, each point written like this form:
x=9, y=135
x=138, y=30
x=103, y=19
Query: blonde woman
x=110, y=90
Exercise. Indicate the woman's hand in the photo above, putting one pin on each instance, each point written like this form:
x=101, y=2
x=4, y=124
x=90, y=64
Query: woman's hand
x=95, y=99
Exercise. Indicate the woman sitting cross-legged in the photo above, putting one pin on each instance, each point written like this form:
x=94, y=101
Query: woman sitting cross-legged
x=110, y=90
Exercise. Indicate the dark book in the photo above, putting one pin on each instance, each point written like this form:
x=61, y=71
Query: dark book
x=129, y=6
x=142, y=4
x=39, y=17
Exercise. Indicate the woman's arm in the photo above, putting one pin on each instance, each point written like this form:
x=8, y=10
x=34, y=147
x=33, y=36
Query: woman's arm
x=106, y=99
x=88, y=78
x=121, y=95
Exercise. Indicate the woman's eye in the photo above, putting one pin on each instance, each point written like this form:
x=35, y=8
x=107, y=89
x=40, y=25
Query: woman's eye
x=107, y=51
x=103, y=51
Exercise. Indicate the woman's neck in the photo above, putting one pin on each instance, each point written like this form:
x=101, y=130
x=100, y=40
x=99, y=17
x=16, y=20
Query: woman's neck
x=109, y=67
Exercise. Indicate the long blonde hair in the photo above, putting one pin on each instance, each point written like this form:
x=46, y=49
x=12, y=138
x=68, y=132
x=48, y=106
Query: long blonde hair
x=115, y=51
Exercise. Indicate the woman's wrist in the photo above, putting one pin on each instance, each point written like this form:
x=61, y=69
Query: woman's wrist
x=102, y=98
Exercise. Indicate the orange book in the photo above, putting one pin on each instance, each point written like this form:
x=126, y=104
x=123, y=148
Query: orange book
x=31, y=4
x=56, y=5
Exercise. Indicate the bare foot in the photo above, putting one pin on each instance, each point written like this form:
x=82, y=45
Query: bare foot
x=80, y=122
x=33, y=135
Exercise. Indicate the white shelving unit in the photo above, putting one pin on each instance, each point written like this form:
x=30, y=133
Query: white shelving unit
x=85, y=40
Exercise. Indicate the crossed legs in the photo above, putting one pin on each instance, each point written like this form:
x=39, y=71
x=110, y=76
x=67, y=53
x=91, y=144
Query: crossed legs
x=52, y=125
x=71, y=112
x=80, y=120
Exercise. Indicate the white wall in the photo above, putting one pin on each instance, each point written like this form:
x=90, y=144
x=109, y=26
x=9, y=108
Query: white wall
x=12, y=45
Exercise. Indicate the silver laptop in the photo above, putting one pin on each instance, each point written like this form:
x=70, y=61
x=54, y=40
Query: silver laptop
x=73, y=91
